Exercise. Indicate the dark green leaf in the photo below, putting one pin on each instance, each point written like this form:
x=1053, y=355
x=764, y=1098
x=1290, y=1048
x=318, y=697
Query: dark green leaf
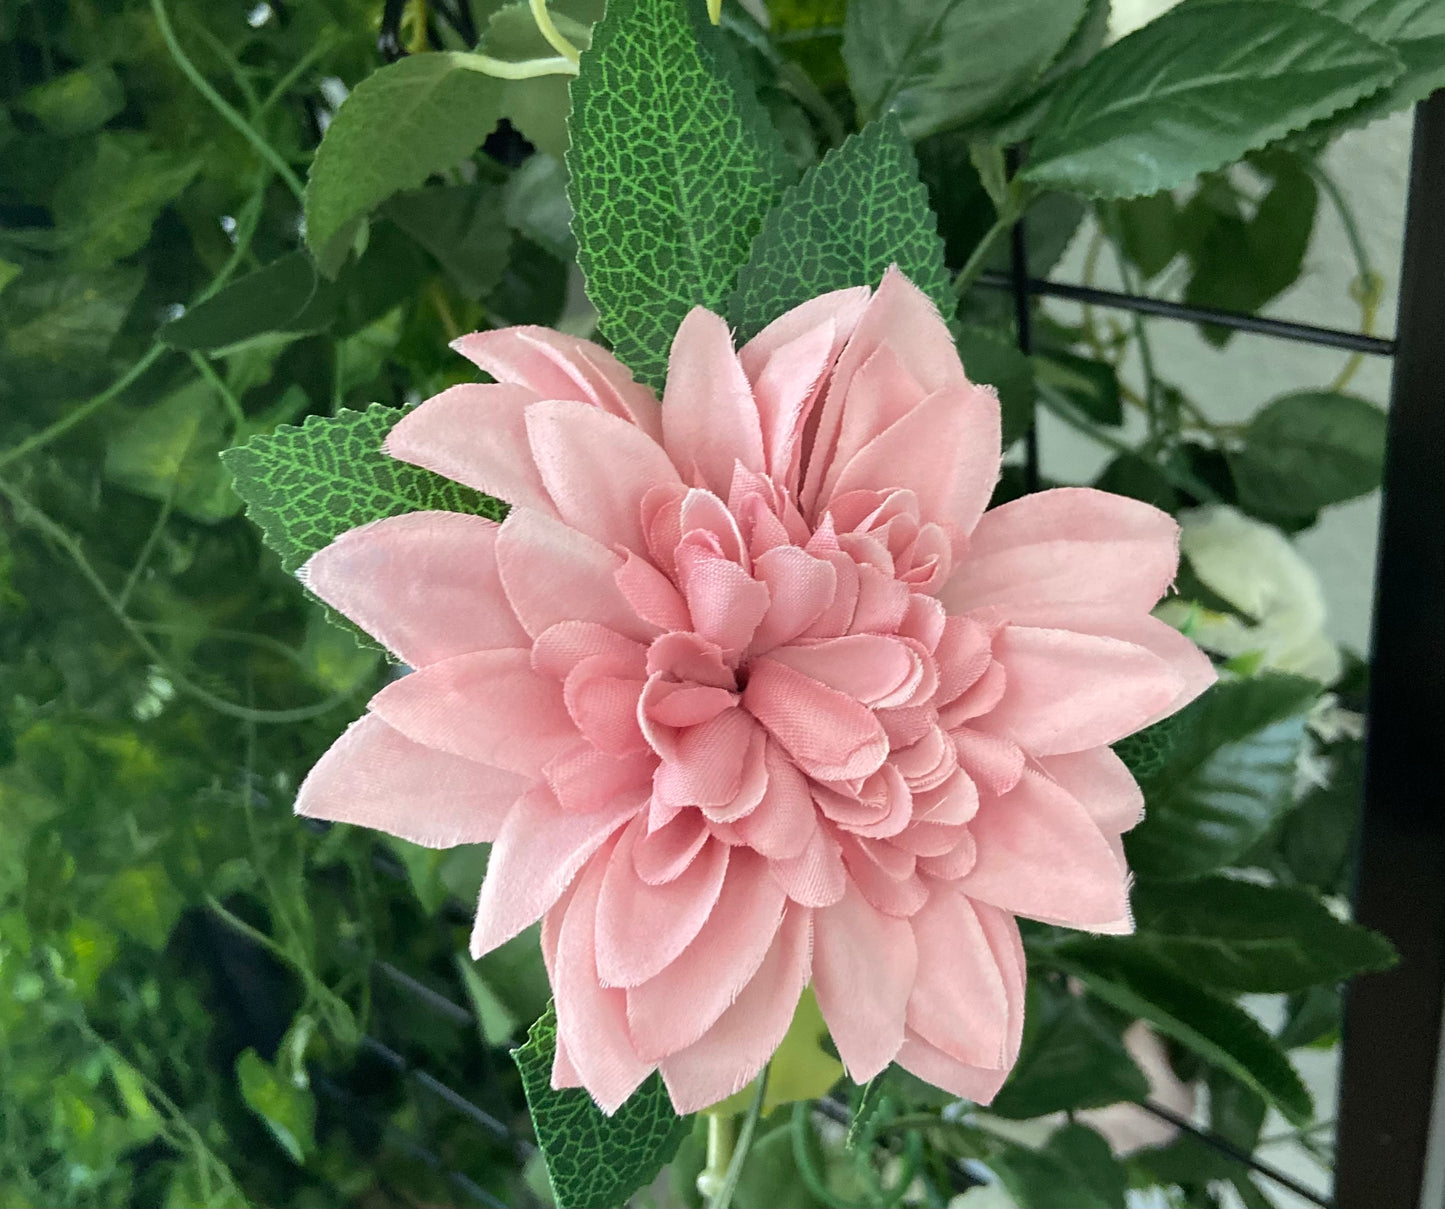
x=1147, y=751
x=1312, y=1017
x=275, y=298
x=1240, y=936
x=868, y=1104
x=672, y=168
x=537, y=206
x=943, y=63
x=1139, y=479
x=1149, y=231
x=305, y=486
x=533, y=289
x=463, y=226
x=1071, y=1059
x=1075, y=1167
x=1306, y=451
x=1316, y=841
x=420, y=115
x=995, y=360
x=1227, y=779
x=859, y=211
x=1197, y=89
x=1241, y=263
x=594, y=1161
x=1092, y=386
x=57, y=326
x=1212, y=1027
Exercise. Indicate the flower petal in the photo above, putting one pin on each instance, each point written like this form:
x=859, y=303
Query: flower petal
x=830, y=735
x=732, y=1052
x=864, y=965
x=1040, y=855
x=671, y=1011
x=425, y=584
x=709, y=418
x=932, y=1065
x=476, y=435
x=592, y=1018
x=816, y=876
x=596, y=468
x=488, y=706
x=641, y=928
x=1071, y=545
x=1099, y=781
x=537, y=853
x=959, y=1002
x=552, y=574
x=374, y=776
x=557, y=366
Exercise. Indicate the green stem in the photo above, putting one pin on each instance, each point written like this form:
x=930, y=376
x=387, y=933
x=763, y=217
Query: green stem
x=283, y=85
x=228, y=396
x=223, y=107
x=553, y=35
x=724, y=1198
x=979, y=256
x=527, y=69
x=803, y=1157
x=144, y=557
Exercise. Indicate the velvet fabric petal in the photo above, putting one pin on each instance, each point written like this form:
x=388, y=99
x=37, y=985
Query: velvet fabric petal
x=373, y=776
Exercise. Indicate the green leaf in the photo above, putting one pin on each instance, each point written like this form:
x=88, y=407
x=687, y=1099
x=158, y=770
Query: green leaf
x=537, y=206
x=849, y=218
x=672, y=168
x=1149, y=231
x=1315, y=845
x=283, y=296
x=420, y=115
x=463, y=226
x=1071, y=1059
x=1306, y=451
x=57, y=326
x=144, y=902
x=1240, y=263
x=1091, y=385
x=75, y=102
x=538, y=106
x=1197, y=89
x=1228, y=778
x=288, y=1110
x=1074, y=1167
x=1240, y=936
x=1414, y=29
x=305, y=486
x=995, y=360
x=945, y=63
x=1215, y=1029
x=800, y=1068
x=1312, y=1017
x=495, y=1021
x=107, y=205
x=868, y=1104
x=594, y=1161
x=1145, y=752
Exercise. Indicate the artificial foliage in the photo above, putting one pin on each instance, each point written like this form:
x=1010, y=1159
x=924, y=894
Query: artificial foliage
x=259, y=228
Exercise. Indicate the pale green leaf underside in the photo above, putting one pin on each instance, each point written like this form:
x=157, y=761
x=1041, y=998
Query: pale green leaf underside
x=305, y=486
x=420, y=115
x=594, y=1161
x=672, y=170
x=1197, y=89
x=855, y=213
x=944, y=63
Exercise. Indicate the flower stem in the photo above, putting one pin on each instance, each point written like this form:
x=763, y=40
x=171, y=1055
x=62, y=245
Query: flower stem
x=979, y=256
x=554, y=36
x=726, y=1154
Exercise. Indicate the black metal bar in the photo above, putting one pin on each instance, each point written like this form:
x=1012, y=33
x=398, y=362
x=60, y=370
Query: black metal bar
x=1303, y=333
x=1237, y=1153
x=1019, y=283
x=1392, y=1032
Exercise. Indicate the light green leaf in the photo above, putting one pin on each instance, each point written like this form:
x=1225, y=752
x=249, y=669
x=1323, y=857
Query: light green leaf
x=1239, y=936
x=9, y=271
x=594, y=1161
x=1414, y=29
x=945, y=63
x=56, y=326
x=496, y=1022
x=1306, y=451
x=463, y=227
x=800, y=1068
x=1197, y=89
x=672, y=168
x=538, y=106
x=849, y=218
x=1215, y=1029
x=1071, y=1059
x=420, y=115
x=1228, y=777
x=283, y=296
x=1074, y=1167
x=144, y=902
x=288, y=1110
x=75, y=102
x=304, y=486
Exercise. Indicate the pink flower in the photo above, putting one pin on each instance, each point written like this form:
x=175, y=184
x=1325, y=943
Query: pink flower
x=748, y=692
